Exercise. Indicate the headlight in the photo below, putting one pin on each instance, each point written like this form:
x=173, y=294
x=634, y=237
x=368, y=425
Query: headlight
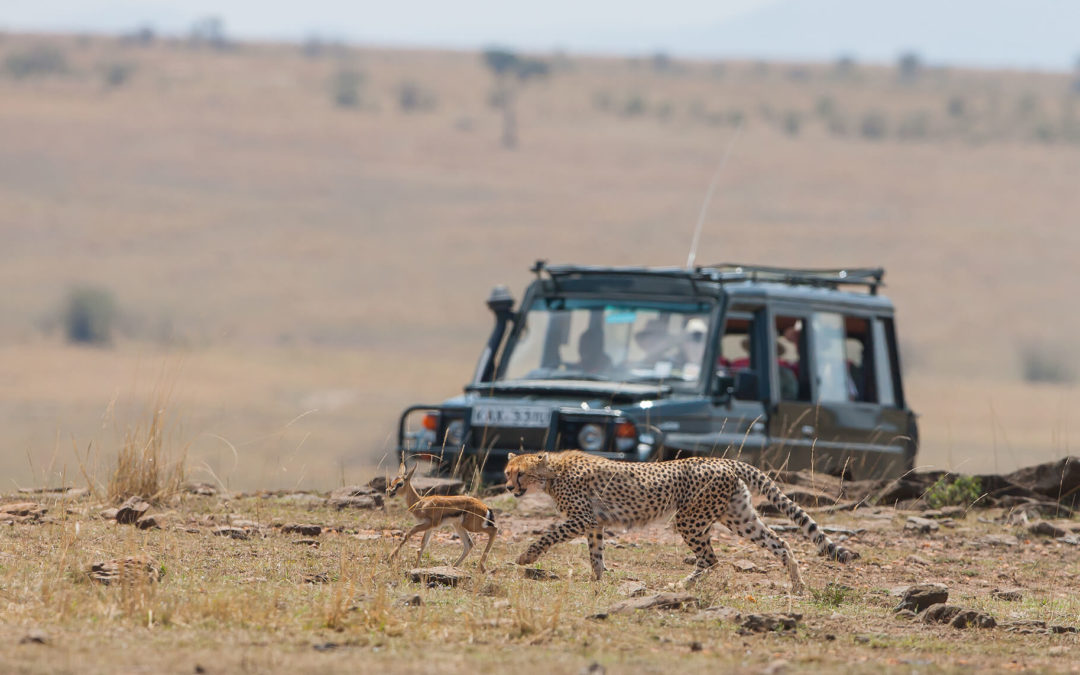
x=625, y=436
x=455, y=433
x=591, y=438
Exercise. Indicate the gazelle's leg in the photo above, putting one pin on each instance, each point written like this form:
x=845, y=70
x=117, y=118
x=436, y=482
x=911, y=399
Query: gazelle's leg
x=423, y=545
x=418, y=528
x=491, y=532
x=466, y=542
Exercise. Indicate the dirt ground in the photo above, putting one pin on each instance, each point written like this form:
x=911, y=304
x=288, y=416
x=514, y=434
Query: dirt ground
x=271, y=600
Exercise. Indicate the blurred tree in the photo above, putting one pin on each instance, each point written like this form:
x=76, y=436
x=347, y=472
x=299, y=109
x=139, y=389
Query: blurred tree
x=909, y=66
x=511, y=72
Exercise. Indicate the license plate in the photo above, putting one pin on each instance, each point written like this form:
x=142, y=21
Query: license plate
x=511, y=416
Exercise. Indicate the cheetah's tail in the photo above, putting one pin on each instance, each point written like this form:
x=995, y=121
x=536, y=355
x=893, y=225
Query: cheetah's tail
x=764, y=485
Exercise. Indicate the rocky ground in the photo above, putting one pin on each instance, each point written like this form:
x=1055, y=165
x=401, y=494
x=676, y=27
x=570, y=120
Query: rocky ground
x=297, y=581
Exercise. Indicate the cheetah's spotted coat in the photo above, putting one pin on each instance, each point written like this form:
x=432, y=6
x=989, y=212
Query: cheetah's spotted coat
x=593, y=493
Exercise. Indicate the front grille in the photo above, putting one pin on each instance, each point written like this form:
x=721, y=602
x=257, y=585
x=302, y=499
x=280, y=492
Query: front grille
x=509, y=438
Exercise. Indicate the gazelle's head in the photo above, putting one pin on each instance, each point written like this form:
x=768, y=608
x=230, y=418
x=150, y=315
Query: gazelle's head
x=400, y=479
x=524, y=471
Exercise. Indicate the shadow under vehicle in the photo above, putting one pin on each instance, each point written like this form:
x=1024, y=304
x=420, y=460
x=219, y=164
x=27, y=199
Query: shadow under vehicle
x=783, y=368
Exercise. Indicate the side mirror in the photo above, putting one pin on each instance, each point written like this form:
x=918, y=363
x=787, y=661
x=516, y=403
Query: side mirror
x=746, y=385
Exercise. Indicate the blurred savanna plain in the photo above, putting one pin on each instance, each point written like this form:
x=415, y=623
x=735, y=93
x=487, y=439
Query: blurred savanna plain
x=296, y=240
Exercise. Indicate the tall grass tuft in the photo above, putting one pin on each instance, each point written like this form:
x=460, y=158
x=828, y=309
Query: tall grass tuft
x=143, y=467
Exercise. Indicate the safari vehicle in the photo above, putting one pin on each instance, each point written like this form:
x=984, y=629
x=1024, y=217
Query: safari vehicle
x=782, y=368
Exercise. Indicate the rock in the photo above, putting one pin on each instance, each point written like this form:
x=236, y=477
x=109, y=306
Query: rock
x=946, y=512
x=231, y=532
x=720, y=613
x=906, y=614
x=998, y=540
x=149, y=523
x=125, y=570
x=658, y=601
x=1007, y=594
x=305, y=530
x=313, y=543
x=443, y=575
x=108, y=514
x=1045, y=528
x=131, y=510
x=317, y=578
x=767, y=623
x=921, y=596
x=355, y=497
x=921, y=525
x=775, y=667
x=410, y=600
x=1072, y=540
x=741, y=565
x=940, y=613
x=35, y=636
x=23, y=510
x=537, y=574
x=593, y=668
x=201, y=489
x=632, y=589
x=968, y=618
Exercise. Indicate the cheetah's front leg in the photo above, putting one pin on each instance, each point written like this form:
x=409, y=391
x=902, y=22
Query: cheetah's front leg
x=556, y=534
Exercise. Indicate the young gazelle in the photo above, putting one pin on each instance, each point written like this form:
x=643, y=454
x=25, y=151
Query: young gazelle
x=466, y=514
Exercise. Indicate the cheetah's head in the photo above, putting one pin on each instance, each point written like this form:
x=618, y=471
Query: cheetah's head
x=523, y=471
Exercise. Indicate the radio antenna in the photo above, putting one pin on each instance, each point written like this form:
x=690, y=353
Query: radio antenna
x=708, y=196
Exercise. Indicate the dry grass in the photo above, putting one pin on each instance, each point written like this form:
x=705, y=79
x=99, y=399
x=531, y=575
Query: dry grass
x=145, y=466
x=232, y=605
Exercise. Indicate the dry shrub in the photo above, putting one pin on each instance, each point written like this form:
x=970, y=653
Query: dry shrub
x=144, y=466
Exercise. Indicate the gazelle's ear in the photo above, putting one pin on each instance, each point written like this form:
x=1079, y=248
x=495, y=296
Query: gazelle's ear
x=511, y=456
x=410, y=472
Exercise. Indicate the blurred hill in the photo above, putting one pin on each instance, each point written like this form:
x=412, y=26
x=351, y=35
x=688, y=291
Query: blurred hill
x=304, y=234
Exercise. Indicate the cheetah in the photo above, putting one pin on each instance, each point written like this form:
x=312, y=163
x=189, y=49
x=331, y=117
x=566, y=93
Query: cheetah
x=593, y=493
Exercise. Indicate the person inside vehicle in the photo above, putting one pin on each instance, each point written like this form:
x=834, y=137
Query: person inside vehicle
x=591, y=352
x=656, y=343
x=693, y=348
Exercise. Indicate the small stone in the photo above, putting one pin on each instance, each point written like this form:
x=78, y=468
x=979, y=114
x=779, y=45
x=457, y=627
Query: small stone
x=906, y=614
x=921, y=525
x=230, y=532
x=317, y=578
x=999, y=540
x=131, y=510
x=305, y=530
x=658, y=601
x=921, y=596
x=109, y=514
x=313, y=543
x=967, y=618
x=767, y=623
x=442, y=575
x=632, y=589
x=775, y=667
x=413, y=600
x=741, y=565
x=36, y=636
x=594, y=668
x=149, y=523
x=696, y=646
x=940, y=613
x=1007, y=594
x=1044, y=528
x=22, y=509
x=537, y=574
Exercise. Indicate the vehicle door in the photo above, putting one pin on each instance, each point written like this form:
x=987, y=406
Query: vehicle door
x=734, y=423
x=846, y=416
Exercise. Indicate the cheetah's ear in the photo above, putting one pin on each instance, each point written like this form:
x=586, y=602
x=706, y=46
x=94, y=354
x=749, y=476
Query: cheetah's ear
x=511, y=456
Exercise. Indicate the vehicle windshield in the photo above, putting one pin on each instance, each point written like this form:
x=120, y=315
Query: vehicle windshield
x=609, y=341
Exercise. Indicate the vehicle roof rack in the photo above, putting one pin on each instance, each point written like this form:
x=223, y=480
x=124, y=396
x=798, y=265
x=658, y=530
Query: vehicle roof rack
x=871, y=277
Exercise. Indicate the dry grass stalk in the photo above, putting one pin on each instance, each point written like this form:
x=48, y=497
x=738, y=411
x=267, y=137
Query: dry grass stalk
x=143, y=467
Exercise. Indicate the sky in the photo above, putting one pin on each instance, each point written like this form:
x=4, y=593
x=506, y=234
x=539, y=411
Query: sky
x=1018, y=34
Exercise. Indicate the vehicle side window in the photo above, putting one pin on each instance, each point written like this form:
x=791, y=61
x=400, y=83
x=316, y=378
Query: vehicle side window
x=831, y=378
x=735, y=352
x=790, y=348
x=883, y=365
x=844, y=359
